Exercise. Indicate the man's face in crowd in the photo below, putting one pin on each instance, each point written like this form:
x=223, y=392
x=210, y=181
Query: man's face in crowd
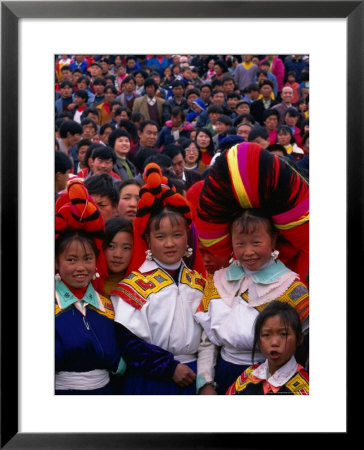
x=95, y=71
x=148, y=137
x=66, y=92
x=178, y=165
x=287, y=94
x=218, y=99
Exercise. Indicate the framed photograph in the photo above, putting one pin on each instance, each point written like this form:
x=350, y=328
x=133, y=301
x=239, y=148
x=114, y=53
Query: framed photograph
x=31, y=34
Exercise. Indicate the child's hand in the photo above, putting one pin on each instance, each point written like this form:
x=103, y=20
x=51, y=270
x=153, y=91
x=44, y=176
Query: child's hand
x=183, y=375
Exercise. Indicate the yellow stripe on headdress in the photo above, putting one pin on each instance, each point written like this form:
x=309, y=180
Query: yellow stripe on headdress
x=237, y=181
x=210, y=242
x=290, y=225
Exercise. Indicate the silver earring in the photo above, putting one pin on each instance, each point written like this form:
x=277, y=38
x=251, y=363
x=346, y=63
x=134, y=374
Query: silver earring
x=149, y=255
x=189, y=252
x=95, y=275
x=234, y=262
x=57, y=277
x=274, y=254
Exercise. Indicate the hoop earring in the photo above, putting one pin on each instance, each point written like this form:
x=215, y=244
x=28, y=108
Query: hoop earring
x=189, y=252
x=148, y=255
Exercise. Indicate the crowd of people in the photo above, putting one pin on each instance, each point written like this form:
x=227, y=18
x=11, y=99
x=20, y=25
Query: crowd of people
x=182, y=219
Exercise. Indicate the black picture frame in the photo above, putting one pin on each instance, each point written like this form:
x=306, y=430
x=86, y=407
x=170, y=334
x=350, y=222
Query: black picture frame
x=11, y=12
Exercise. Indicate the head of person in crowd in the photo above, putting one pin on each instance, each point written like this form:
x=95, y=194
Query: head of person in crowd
x=66, y=73
x=129, y=197
x=287, y=95
x=271, y=119
x=186, y=72
x=259, y=134
x=83, y=82
x=218, y=97
x=265, y=65
x=205, y=93
x=228, y=84
x=142, y=155
x=95, y=70
x=63, y=167
x=277, y=149
x=192, y=152
x=177, y=155
x=70, y=132
x=266, y=89
x=214, y=112
x=291, y=117
x=305, y=126
x=82, y=148
x=102, y=159
x=118, y=246
x=91, y=113
x=128, y=85
x=222, y=123
x=66, y=89
x=105, y=131
x=163, y=161
x=104, y=193
x=242, y=107
x=129, y=126
x=110, y=80
x=252, y=91
x=148, y=134
x=244, y=118
x=99, y=85
x=192, y=95
x=140, y=76
x=150, y=87
x=119, y=141
x=204, y=141
x=137, y=118
x=212, y=261
x=306, y=142
x=302, y=105
x=243, y=130
x=81, y=98
x=232, y=100
x=110, y=93
x=89, y=128
x=178, y=117
x=220, y=68
x=131, y=63
x=178, y=89
x=285, y=135
x=261, y=75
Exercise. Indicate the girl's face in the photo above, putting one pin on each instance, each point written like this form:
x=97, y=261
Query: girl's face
x=276, y=342
x=191, y=153
x=212, y=261
x=203, y=140
x=169, y=243
x=128, y=203
x=77, y=264
x=284, y=138
x=254, y=249
x=122, y=146
x=118, y=252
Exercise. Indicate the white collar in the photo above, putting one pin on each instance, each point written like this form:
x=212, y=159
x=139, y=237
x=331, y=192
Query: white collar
x=281, y=376
x=151, y=101
x=148, y=266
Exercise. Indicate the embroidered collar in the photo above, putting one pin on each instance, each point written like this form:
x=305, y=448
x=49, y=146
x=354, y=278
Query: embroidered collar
x=280, y=376
x=65, y=298
x=148, y=266
x=266, y=275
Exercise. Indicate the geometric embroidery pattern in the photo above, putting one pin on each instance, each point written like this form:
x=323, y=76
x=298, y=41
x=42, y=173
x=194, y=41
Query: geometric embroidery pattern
x=193, y=279
x=210, y=292
x=109, y=309
x=242, y=382
x=298, y=385
x=296, y=295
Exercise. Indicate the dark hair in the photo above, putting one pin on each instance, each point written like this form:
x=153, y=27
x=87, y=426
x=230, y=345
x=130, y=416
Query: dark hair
x=143, y=124
x=244, y=118
x=121, y=184
x=99, y=81
x=116, y=134
x=274, y=147
x=258, y=131
x=143, y=73
x=83, y=78
x=292, y=112
x=221, y=63
x=127, y=79
x=83, y=142
x=186, y=142
x=82, y=93
x=89, y=121
x=140, y=157
x=192, y=91
x=66, y=238
x=90, y=110
x=66, y=67
x=211, y=147
x=206, y=85
x=103, y=184
x=270, y=112
x=173, y=150
x=176, y=111
x=159, y=158
x=66, y=83
x=104, y=152
x=150, y=82
x=70, y=126
x=112, y=88
x=177, y=83
x=130, y=128
x=105, y=126
x=288, y=315
x=235, y=95
x=305, y=136
x=252, y=87
x=114, y=226
x=136, y=117
x=62, y=162
x=226, y=120
x=249, y=219
x=214, y=109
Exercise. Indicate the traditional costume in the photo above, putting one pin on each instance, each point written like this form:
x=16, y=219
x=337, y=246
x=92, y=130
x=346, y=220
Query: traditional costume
x=155, y=304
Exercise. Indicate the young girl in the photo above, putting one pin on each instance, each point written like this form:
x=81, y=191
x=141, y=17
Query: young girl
x=205, y=144
x=86, y=348
x=129, y=196
x=245, y=288
x=118, y=247
x=278, y=333
x=285, y=138
x=156, y=301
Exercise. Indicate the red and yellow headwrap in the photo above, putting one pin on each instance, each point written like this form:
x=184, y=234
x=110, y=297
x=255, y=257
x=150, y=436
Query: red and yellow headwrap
x=244, y=177
x=75, y=210
x=155, y=195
